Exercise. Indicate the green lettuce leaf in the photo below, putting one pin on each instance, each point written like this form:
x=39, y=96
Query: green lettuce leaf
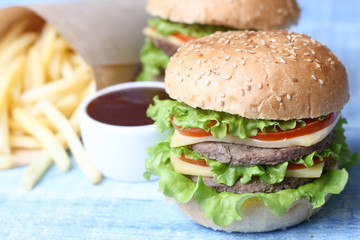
x=223, y=208
x=188, y=117
x=166, y=27
x=339, y=146
x=154, y=61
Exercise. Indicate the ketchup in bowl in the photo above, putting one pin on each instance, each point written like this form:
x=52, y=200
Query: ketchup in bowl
x=125, y=107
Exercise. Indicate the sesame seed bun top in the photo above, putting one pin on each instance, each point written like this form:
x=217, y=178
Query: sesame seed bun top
x=267, y=74
x=241, y=14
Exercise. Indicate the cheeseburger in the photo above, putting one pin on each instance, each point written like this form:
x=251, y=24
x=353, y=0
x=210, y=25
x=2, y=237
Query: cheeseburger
x=257, y=137
x=175, y=22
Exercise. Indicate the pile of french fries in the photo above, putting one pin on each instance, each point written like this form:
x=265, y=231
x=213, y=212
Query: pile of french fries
x=42, y=83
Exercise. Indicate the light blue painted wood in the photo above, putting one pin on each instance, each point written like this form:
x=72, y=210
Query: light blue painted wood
x=67, y=206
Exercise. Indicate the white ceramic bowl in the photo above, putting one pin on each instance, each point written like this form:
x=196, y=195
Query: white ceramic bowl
x=119, y=152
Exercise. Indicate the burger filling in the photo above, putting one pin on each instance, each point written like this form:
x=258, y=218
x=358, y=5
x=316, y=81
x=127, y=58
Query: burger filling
x=274, y=169
x=163, y=38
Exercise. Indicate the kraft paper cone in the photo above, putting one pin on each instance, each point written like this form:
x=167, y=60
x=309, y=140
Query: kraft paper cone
x=106, y=33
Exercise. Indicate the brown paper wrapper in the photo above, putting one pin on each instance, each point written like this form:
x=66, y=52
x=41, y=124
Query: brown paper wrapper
x=106, y=33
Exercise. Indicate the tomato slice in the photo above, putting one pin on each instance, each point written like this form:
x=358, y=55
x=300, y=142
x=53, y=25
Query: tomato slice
x=180, y=36
x=193, y=132
x=293, y=166
x=312, y=125
x=183, y=37
x=200, y=162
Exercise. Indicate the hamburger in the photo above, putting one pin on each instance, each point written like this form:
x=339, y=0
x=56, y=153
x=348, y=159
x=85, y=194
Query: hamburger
x=173, y=23
x=256, y=142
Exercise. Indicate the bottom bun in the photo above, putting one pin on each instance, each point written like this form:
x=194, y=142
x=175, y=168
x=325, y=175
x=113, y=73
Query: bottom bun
x=256, y=217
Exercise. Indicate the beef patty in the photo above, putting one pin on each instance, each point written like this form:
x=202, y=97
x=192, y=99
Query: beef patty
x=243, y=155
x=168, y=48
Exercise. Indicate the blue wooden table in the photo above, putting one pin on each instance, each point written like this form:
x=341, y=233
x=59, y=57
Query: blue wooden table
x=67, y=206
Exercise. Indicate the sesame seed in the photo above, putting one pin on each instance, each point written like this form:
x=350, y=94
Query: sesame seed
x=250, y=51
x=282, y=106
x=222, y=103
x=198, y=61
x=260, y=85
x=180, y=62
x=288, y=96
x=227, y=77
x=188, y=75
x=318, y=66
x=282, y=60
x=181, y=80
x=313, y=77
x=248, y=78
x=321, y=81
x=253, y=109
x=306, y=54
x=278, y=98
x=332, y=63
x=227, y=58
x=217, y=67
x=186, y=53
x=309, y=60
x=197, y=77
x=238, y=50
x=189, y=68
x=294, y=79
x=216, y=73
x=208, y=82
x=248, y=87
x=227, y=41
x=209, y=72
x=242, y=92
x=202, y=74
x=235, y=65
x=220, y=94
x=329, y=59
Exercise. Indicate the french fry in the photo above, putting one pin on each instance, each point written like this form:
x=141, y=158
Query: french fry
x=73, y=83
x=13, y=34
x=9, y=79
x=4, y=132
x=6, y=161
x=36, y=170
x=67, y=105
x=46, y=43
x=44, y=135
x=24, y=142
x=77, y=149
x=74, y=119
x=54, y=67
x=35, y=72
x=18, y=46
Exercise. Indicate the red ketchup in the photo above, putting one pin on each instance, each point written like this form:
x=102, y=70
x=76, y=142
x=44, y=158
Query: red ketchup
x=125, y=107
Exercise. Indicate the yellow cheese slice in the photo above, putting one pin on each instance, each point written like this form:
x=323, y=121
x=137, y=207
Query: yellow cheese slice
x=149, y=32
x=179, y=140
x=313, y=172
x=197, y=170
